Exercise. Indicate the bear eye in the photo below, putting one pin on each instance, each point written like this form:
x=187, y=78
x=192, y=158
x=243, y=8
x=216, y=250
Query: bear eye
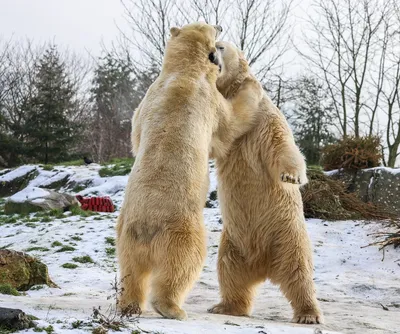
x=221, y=48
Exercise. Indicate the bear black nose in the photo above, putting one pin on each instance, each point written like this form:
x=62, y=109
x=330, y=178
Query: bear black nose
x=213, y=58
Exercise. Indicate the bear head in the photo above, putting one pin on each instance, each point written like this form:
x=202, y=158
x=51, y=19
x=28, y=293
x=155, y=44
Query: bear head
x=234, y=68
x=192, y=44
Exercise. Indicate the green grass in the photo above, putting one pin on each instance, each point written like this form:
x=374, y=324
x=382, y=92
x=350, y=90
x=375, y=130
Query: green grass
x=37, y=248
x=83, y=259
x=56, y=244
x=315, y=168
x=76, y=238
x=58, y=213
x=32, y=225
x=7, y=220
x=110, y=251
x=120, y=166
x=7, y=289
x=48, y=167
x=65, y=249
x=77, y=211
x=77, y=324
x=72, y=163
x=49, y=329
x=110, y=241
x=78, y=188
x=6, y=246
x=69, y=265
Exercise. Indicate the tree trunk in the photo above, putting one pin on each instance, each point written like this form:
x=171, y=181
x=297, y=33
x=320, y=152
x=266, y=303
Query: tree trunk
x=393, y=149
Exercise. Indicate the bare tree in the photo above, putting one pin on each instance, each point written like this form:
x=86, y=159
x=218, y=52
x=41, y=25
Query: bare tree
x=211, y=11
x=258, y=27
x=150, y=22
x=261, y=31
x=391, y=87
x=344, y=44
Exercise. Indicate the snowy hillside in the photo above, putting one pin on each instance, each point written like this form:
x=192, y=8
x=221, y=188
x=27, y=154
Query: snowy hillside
x=353, y=282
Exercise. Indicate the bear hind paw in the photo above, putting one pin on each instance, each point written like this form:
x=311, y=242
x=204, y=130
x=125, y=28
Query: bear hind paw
x=226, y=309
x=308, y=319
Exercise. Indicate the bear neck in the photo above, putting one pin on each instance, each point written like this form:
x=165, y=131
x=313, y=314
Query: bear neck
x=230, y=84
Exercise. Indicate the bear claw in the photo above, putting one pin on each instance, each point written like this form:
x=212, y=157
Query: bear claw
x=288, y=178
x=307, y=319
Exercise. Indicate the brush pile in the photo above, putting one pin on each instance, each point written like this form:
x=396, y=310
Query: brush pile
x=326, y=198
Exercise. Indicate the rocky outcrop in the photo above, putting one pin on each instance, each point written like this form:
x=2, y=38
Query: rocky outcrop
x=13, y=181
x=22, y=271
x=380, y=186
x=14, y=319
x=32, y=199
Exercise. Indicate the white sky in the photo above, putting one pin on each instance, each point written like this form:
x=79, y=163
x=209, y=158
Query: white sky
x=76, y=24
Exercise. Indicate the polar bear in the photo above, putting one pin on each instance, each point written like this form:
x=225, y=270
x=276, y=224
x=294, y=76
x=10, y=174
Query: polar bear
x=181, y=120
x=264, y=233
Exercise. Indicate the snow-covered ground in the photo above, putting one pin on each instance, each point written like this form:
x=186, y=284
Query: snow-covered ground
x=352, y=282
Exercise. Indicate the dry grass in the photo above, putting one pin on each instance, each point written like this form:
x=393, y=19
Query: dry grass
x=386, y=239
x=326, y=198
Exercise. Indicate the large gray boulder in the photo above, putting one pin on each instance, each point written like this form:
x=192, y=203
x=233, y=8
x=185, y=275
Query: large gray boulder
x=380, y=186
x=32, y=199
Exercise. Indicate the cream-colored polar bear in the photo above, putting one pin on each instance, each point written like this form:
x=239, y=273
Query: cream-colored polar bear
x=264, y=233
x=160, y=231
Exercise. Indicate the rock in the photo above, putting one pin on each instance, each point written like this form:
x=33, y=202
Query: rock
x=32, y=199
x=22, y=271
x=213, y=195
x=14, y=319
x=212, y=200
x=57, y=183
x=13, y=181
x=380, y=186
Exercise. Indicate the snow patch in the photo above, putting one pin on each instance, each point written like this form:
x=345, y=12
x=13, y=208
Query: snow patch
x=28, y=194
x=106, y=185
x=16, y=173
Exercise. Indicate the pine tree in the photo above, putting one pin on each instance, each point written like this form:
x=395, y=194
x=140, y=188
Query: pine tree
x=312, y=118
x=114, y=101
x=50, y=131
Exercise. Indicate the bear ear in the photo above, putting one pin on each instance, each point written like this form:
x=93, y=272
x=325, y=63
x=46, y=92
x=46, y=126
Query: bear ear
x=175, y=31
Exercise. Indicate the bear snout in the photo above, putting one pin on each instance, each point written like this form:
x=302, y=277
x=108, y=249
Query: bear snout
x=213, y=57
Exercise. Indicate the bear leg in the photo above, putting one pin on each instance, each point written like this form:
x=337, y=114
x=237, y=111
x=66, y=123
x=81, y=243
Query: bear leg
x=236, y=280
x=295, y=277
x=179, y=266
x=134, y=275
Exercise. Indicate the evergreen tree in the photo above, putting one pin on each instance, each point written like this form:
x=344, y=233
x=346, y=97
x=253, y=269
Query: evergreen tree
x=49, y=128
x=312, y=118
x=114, y=100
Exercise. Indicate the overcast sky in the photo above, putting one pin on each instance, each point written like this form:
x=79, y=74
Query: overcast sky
x=76, y=24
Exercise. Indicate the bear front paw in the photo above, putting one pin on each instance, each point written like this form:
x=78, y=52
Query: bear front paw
x=290, y=178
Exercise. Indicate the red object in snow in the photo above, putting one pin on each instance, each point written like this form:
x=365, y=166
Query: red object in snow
x=99, y=204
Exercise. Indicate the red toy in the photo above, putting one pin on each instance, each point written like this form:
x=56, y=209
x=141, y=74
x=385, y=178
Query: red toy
x=99, y=204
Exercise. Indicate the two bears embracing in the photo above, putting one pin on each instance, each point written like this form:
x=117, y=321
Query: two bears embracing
x=207, y=104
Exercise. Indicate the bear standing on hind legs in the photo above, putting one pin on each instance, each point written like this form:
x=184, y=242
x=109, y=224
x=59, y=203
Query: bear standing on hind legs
x=264, y=233
x=160, y=230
